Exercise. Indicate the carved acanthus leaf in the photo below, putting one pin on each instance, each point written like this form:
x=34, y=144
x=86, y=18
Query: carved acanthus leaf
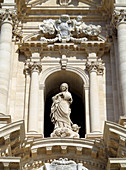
x=95, y=67
x=119, y=16
x=9, y=15
x=35, y=67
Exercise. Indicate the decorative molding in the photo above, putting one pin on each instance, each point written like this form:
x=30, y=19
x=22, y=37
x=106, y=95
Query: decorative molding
x=75, y=70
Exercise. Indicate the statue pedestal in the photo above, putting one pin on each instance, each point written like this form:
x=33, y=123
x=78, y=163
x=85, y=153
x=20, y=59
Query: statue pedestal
x=94, y=135
x=64, y=164
x=34, y=135
x=4, y=119
x=64, y=132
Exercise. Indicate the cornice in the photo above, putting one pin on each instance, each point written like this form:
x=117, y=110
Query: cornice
x=32, y=10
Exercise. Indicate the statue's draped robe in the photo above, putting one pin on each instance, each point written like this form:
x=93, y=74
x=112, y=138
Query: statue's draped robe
x=60, y=110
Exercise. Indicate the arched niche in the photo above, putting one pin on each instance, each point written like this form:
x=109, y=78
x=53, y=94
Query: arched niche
x=76, y=87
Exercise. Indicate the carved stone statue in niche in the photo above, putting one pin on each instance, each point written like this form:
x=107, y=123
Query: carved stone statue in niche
x=60, y=114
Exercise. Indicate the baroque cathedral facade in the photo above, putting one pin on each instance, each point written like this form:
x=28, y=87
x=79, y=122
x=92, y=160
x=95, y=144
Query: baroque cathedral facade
x=63, y=84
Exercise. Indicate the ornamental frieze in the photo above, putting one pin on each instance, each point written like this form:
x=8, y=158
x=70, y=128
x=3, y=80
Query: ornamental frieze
x=65, y=29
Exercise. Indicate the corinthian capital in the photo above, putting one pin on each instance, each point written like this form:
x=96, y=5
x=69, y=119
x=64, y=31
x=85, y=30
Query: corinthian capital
x=119, y=16
x=95, y=67
x=91, y=66
x=35, y=67
x=9, y=16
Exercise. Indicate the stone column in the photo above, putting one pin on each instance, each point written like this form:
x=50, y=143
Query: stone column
x=87, y=116
x=120, y=18
x=35, y=69
x=5, y=57
x=26, y=94
x=42, y=108
x=94, y=98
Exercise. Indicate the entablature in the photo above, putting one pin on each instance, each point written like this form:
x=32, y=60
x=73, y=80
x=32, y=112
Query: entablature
x=64, y=35
x=41, y=9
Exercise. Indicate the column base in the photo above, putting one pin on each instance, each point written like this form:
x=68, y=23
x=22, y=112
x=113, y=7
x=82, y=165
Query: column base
x=122, y=121
x=34, y=135
x=94, y=135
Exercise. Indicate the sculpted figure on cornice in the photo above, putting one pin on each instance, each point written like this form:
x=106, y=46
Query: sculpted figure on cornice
x=65, y=29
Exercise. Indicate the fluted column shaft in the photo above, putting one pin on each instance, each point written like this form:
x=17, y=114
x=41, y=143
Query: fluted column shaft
x=34, y=98
x=94, y=98
x=122, y=62
x=119, y=20
x=5, y=59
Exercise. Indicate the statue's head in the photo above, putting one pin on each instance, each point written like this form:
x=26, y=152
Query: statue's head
x=64, y=87
x=64, y=18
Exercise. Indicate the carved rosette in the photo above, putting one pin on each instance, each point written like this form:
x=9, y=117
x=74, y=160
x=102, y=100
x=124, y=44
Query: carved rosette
x=35, y=67
x=118, y=17
x=95, y=67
